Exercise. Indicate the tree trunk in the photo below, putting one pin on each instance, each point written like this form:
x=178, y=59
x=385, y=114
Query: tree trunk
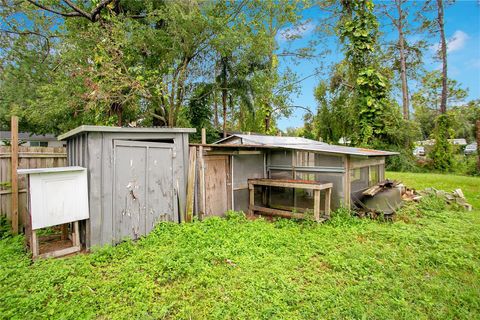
x=443, y=55
x=232, y=108
x=224, y=105
x=215, y=108
x=224, y=61
x=403, y=63
x=116, y=109
x=268, y=117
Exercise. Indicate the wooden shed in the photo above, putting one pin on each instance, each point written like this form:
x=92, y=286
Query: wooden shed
x=136, y=178
x=229, y=163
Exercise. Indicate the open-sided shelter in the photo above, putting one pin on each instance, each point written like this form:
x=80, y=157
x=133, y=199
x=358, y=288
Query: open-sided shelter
x=136, y=178
x=226, y=166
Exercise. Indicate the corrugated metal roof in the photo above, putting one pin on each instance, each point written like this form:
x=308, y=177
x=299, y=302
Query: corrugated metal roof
x=299, y=143
x=266, y=140
x=86, y=128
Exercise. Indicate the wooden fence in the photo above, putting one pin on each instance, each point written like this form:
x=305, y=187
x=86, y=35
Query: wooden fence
x=28, y=157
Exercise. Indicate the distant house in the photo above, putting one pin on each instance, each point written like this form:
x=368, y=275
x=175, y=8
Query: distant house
x=28, y=139
x=431, y=142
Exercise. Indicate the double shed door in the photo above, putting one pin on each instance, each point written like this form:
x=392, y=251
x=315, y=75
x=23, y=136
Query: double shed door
x=143, y=188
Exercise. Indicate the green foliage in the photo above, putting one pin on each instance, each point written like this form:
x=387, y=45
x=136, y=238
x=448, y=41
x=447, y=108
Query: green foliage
x=464, y=119
x=358, y=31
x=426, y=102
x=199, y=112
x=5, y=227
x=442, y=153
x=466, y=165
x=404, y=162
x=139, y=62
x=241, y=269
x=232, y=215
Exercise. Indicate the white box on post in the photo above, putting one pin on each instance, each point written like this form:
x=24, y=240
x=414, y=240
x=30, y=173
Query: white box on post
x=56, y=196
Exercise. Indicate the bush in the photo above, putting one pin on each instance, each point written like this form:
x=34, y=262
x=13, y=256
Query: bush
x=466, y=165
x=442, y=153
x=404, y=162
x=235, y=215
x=4, y=227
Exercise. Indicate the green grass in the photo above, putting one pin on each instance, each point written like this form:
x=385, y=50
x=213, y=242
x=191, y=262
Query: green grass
x=428, y=268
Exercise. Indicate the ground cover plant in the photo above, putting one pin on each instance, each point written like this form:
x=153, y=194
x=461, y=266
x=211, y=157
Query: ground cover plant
x=426, y=267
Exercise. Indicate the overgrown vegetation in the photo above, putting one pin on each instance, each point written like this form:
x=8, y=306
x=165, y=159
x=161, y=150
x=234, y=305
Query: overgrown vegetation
x=426, y=267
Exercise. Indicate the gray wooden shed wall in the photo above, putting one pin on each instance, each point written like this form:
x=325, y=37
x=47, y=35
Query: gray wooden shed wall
x=95, y=151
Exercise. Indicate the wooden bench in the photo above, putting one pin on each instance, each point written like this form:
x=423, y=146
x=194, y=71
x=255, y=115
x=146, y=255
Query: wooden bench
x=295, y=184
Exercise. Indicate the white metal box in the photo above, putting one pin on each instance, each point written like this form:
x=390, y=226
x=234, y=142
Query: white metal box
x=57, y=195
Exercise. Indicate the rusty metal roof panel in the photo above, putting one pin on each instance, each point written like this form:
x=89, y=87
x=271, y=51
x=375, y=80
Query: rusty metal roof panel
x=268, y=140
x=329, y=148
x=299, y=143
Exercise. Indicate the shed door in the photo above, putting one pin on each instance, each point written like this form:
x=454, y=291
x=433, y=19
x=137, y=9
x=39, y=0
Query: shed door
x=143, y=187
x=218, y=196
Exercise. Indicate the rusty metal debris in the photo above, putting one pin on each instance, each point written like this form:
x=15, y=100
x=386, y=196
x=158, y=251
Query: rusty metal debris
x=386, y=197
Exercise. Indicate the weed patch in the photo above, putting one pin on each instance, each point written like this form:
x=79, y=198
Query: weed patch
x=237, y=268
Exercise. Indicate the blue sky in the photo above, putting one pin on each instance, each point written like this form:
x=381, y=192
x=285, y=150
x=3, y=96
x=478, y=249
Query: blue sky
x=462, y=27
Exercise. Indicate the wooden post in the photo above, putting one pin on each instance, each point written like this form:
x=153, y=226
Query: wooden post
x=328, y=198
x=251, y=198
x=76, y=235
x=14, y=166
x=316, y=205
x=204, y=136
x=190, y=184
x=201, y=183
x=34, y=244
x=347, y=183
x=64, y=231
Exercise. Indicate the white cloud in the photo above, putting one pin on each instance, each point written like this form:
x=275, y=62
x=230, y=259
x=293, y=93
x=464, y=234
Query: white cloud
x=455, y=43
x=296, y=32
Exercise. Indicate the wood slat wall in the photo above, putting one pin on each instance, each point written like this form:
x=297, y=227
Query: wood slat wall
x=28, y=157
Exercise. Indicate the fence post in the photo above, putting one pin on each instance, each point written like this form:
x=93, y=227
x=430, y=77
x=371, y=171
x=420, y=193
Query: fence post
x=14, y=166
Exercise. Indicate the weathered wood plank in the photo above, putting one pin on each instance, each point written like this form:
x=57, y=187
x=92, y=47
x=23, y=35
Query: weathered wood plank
x=27, y=158
x=217, y=196
x=14, y=166
x=276, y=212
x=360, y=163
x=58, y=253
x=328, y=201
x=201, y=184
x=300, y=184
x=316, y=205
x=190, y=184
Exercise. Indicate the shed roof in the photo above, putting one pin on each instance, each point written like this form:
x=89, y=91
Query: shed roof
x=87, y=128
x=266, y=140
x=298, y=143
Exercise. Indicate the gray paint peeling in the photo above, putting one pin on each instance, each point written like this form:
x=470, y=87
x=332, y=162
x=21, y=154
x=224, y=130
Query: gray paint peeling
x=133, y=182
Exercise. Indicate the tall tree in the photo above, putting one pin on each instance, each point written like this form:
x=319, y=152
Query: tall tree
x=443, y=55
x=358, y=30
x=400, y=21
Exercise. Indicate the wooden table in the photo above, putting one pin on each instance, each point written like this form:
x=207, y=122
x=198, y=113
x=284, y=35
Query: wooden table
x=295, y=184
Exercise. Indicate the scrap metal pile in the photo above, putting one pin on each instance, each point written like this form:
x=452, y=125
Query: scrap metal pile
x=386, y=197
